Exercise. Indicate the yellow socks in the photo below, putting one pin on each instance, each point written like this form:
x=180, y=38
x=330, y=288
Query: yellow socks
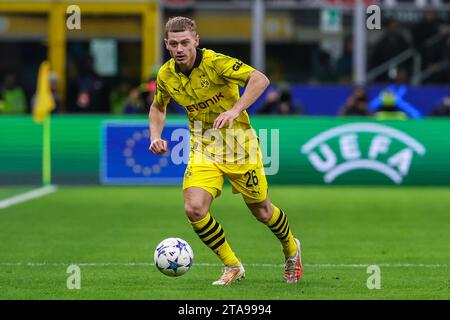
x=211, y=233
x=279, y=225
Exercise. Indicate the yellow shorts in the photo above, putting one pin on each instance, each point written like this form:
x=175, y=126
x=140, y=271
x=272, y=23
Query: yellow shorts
x=247, y=179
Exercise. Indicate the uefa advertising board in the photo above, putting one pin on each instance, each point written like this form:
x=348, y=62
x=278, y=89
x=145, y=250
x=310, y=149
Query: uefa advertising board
x=305, y=151
x=361, y=151
x=296, y=150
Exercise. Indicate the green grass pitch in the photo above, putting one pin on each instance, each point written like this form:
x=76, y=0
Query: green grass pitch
x=111, y=233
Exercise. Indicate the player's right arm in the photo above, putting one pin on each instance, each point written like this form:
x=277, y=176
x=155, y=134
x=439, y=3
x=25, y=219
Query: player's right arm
x=156, y=120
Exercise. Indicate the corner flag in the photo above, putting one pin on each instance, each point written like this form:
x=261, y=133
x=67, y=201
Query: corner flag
x=44, y=102
x=43, y=105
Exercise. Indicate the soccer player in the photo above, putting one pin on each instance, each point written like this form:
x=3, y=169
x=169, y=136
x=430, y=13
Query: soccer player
x=206, y=84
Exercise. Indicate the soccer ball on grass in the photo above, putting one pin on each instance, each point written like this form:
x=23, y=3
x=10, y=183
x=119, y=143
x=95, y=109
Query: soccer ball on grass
x=173, y=257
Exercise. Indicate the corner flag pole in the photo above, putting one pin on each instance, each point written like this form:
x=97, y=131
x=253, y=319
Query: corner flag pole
x=46, y=153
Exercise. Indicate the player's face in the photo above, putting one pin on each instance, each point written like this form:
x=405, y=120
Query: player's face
x=182, y=46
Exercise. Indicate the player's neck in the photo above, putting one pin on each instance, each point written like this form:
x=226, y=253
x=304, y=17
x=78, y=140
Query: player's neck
x=189, y=66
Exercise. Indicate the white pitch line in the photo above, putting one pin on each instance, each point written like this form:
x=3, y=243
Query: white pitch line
x=37, y=193
x=257, y=265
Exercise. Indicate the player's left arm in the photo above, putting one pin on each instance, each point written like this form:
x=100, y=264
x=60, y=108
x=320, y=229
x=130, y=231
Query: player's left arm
x=256, y=84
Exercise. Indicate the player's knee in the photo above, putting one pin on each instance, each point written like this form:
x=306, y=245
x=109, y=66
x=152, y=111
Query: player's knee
x=262, y=212
x=195, y=210
x=263, y=216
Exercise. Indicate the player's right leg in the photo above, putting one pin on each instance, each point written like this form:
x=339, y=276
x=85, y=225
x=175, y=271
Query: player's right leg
x=199, y=192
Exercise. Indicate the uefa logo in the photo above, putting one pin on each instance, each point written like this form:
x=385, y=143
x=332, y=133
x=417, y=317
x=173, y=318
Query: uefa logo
x=362, y=146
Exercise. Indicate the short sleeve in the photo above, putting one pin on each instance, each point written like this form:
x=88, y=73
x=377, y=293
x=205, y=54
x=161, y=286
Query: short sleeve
x=162, y=97
x=232, y=69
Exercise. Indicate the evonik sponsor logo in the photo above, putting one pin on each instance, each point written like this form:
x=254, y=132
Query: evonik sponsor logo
x=395, y=164
x=205, y=104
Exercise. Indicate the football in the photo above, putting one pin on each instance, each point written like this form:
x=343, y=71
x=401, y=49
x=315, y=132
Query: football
x=173, y=257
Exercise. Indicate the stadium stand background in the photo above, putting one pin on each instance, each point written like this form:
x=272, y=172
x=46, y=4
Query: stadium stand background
x=300, y=49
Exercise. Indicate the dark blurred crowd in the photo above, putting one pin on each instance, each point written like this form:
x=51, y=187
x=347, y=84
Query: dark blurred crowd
x=388, y=108
x=429, y=40
x=389, y=104
x=278, y=100
x=88, y=92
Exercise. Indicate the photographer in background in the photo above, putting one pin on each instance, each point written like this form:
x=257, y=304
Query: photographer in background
x=356, y=104
x=12, y=96
x=279, y=102
x=443, y=109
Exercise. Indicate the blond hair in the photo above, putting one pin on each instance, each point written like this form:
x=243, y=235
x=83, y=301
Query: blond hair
x=180, y=24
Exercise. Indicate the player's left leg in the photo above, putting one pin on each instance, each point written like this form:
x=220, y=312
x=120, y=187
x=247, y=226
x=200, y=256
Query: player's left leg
x=251, y=182
x=278, y=223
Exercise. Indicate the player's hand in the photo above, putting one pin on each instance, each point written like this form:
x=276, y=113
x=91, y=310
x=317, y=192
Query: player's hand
x=228, y=116
x=158, y=146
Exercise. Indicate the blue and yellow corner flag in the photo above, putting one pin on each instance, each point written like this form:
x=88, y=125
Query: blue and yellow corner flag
x=44, y=102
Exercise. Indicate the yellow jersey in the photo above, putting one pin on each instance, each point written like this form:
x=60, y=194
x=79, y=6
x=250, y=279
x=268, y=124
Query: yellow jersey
x=211, y=88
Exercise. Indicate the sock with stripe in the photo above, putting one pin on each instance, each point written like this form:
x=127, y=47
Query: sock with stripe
x=279, y=225
x=211, y=233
